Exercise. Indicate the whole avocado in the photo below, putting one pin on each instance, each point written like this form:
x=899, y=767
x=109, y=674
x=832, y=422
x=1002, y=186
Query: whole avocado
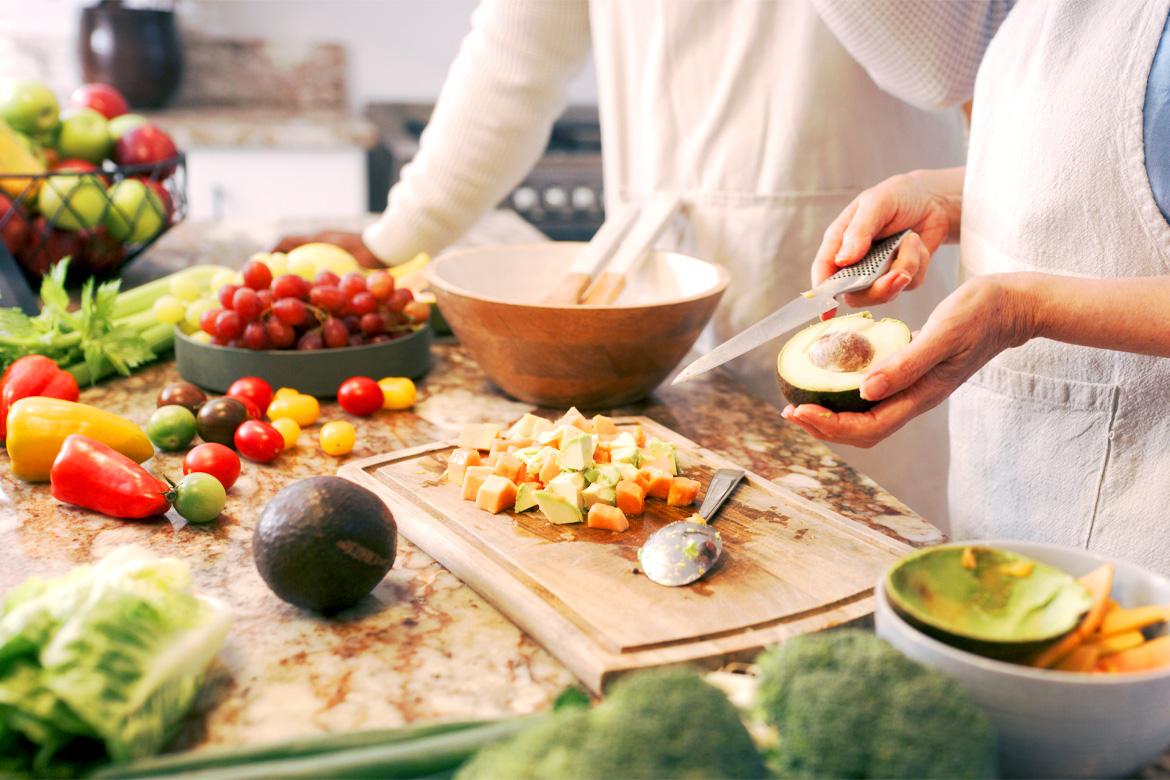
x=324, y=543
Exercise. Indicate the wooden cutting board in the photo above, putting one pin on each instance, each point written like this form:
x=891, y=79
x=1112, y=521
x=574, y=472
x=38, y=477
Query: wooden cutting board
x=789, y=566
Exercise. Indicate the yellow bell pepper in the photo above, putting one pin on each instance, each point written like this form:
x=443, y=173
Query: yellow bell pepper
x=37, y=427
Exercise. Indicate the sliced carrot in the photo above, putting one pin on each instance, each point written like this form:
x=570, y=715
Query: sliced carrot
x=631, y=499
x=1117, y=643
x=458, y=462
x=1051, y=655
x=509, y=467
x=1119, y=620
x=473, y=478
x=1099, y=583
x=683, y=491
x=1083, y=659
x=496, y=494
x=608, y=517
x=1154, y=654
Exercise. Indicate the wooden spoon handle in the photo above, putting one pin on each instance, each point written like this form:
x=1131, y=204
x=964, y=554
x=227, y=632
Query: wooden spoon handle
x=568, y=290
x=606, y=289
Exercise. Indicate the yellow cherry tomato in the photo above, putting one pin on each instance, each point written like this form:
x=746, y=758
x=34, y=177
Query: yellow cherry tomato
x=285, y=392
x=288, y=429
x=397, y=392
x=303, y=409
x=337, y=437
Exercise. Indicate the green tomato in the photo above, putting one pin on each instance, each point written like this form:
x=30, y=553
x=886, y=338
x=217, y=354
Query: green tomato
x=171, y=427
x=199, y=497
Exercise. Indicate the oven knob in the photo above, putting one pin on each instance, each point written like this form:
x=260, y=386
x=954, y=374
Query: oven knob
x=555, y=198
x=524, y=198
x=584, y=199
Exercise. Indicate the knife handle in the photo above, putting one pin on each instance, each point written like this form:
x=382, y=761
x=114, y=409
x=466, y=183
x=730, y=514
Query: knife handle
x=868, y=269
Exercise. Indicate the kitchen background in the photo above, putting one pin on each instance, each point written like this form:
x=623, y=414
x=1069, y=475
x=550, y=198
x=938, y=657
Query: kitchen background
x=308, y=108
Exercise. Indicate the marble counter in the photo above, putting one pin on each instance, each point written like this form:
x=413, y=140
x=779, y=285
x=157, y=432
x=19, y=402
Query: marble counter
x=424, y=646
x=265, y=127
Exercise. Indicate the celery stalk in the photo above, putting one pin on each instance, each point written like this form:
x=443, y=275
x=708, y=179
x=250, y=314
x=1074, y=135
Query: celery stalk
x=142, y=297
x=160, y=337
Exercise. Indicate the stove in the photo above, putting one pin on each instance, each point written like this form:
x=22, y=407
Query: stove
x=561, y=196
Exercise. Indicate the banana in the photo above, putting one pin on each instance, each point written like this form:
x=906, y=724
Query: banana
x=16, y=157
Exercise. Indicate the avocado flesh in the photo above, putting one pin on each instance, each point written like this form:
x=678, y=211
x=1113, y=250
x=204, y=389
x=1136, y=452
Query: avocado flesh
x=525, y=497
x=802, y=382
x=557, y=509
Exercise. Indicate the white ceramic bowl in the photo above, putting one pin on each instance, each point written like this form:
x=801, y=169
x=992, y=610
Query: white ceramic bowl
x=1057, y=724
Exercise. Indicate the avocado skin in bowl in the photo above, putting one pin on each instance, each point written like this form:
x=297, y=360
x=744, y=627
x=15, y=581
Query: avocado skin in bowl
x=986, y=600
x=824, y=363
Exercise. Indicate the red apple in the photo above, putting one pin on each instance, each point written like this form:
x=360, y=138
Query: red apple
x=14, y=225
x=102, y=98
x=144, y=145
x=48, y=245
x=73, y=165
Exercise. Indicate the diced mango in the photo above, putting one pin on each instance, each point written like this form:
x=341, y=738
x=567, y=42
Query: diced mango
x=603, y=454
x=519, y=443
x=665, y=465
x=498, y=446
x=549, y=471
x=639, y=436
x=1119, y=620
x=473, y=478
x=1154, y=654
x=608, y=517
x=1117, y=643
x=510, y=467
x=496, y=494
x=683, y=491
x=479, y=436
x=655, y=482
x=523, y=427
x=576, y=419
x=631, y=499
x=541, y=426
x=458, y=462
x=604, y=426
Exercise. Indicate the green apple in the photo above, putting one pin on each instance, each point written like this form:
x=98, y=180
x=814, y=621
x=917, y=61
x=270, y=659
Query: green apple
x=120, y=124
x=84, y=135
x=136, y=213
x=72, y=201
x=28, y=106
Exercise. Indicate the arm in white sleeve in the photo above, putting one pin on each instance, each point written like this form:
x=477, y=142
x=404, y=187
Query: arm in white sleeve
x=490, y=124
x=925, y=52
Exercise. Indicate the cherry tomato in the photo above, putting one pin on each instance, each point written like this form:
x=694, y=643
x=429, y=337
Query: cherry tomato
x=288, y=429
x=199, y=498
x=360, y=395
x=254, y=389
x=259, y=441
x=285, y=392
x=303, y=409
x=214, y=459
x=397, y=392
x=337, y=437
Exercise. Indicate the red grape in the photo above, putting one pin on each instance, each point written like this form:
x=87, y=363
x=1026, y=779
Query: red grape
x=225, y=295
x=255, y=336
x=399, y=298
x=327, y=279
x=247, y=303
x=257, y=275
x=381, y=338
x=372, y=324
x=290, y=286
x=356, y=340
x=310, y=340
x=353, y=323
x=290, y=311
x=381, y=284
x=228, y=325
x=352, y=283
x=217, y=341
x=363, y=303
x=417, y=311
x=207, y=321
x=330, y=299
x=335, y=333
x=265, y=297
x=236, y=344
x=280, y=333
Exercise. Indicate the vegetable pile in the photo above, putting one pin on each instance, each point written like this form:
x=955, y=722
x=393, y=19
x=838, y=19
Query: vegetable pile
x=102, y=662
x=567, y=468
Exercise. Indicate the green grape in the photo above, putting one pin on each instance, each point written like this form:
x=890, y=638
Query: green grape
x=169, y=310
x=185, y=288
x=195, y=310
x=200, y=337
x=224, y=278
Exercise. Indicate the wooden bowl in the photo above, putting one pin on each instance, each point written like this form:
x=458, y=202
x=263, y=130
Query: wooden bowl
x=594, y=357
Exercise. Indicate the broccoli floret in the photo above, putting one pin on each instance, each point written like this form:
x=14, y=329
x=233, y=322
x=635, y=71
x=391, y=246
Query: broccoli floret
x=847, y=704
x=665, y=723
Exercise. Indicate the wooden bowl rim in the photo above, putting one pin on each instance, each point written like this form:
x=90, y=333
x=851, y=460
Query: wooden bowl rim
x=433, y=279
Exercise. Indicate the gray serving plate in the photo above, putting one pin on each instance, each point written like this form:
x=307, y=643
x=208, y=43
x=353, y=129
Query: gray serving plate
x=317, y=372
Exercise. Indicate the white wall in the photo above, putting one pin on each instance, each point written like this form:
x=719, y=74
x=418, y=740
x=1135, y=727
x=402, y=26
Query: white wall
x=397, y=49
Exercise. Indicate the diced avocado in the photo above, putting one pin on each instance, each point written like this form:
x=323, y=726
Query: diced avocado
x=558, y=435
x=623, y=439
x=607, y=474
x=631, y=455
x=577, y=452
x=527, y=454
x=591, y=475
x=656, y=450
x=523, y=428
x=525, y=497
x=598, y=493
x=557, y=509
x=568, y=485
x=626, y=470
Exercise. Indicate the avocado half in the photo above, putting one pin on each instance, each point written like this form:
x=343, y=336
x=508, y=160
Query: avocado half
x=824, y=363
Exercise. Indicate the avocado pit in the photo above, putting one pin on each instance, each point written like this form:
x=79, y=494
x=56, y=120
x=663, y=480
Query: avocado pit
x=841, y=350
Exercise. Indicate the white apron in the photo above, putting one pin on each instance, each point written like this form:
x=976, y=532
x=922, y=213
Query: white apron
x=1050, y=441
x=754, y=111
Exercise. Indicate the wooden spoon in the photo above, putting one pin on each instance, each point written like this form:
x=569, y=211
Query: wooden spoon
x=651, y=222
x=600, y=248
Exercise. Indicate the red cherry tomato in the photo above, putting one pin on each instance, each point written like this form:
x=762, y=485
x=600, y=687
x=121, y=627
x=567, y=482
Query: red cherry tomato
x=254, y=389
x=259, y=441
x=214, y=459
x=360, y=395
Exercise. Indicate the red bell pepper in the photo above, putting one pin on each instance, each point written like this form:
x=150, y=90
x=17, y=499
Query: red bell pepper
x=94, y=476
x=33, y=375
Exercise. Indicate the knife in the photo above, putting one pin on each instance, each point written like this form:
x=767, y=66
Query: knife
x=806, y=306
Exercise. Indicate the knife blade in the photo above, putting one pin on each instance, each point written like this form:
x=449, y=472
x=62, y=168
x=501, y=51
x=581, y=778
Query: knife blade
x=803, y=308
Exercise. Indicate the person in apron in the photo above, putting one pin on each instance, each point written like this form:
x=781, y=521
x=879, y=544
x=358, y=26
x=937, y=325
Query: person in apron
x=1053, y=349
x=750, y=109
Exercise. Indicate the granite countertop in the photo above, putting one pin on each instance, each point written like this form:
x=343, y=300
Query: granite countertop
x=268, y=128
x=425, y=646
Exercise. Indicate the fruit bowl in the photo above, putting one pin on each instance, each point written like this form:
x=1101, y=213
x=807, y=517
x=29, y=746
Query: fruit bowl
x=316, y=372
x=103, y=217
x=594, y=357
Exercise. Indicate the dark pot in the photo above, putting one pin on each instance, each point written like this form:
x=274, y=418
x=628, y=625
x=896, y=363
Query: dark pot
x=134, y=50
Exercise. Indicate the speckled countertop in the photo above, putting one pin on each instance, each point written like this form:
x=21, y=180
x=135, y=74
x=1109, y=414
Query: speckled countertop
x=267, y=128
x=424, y=646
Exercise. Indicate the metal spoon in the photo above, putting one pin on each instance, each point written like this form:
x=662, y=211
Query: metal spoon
x=683, y=551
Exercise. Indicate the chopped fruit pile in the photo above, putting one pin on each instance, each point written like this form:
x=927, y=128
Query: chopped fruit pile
x=574, y=470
